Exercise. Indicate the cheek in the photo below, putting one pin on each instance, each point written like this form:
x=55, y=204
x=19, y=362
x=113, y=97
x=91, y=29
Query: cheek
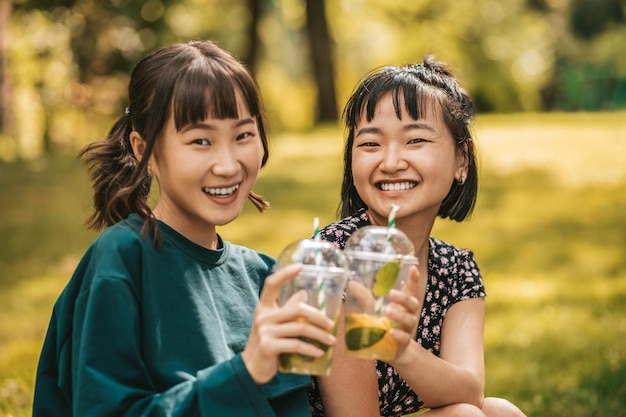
x=362, y=167
x=252, y=158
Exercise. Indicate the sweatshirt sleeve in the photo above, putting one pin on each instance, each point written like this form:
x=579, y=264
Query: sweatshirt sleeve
x=110, y=377
x=105, y=354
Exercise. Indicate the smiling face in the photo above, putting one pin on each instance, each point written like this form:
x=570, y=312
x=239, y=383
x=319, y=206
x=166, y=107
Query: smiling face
x=411, y=163
x=205, y=172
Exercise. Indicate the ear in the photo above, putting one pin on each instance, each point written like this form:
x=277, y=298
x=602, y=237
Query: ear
x=462, y=163
x=138, y=145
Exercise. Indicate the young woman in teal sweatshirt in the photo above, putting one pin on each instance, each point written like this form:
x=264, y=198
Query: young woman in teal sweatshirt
x=163, y=317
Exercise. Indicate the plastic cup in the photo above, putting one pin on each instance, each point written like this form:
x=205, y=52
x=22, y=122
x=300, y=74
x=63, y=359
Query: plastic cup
x=379, y=259
x=323, y=278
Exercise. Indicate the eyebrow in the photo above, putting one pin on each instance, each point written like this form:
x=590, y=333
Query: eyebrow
x=209, y=126
x=410, y=126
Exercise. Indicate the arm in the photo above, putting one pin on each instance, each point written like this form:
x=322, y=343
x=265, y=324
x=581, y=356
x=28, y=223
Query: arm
x=351, y=389
x=110, y=376
x=457, y=375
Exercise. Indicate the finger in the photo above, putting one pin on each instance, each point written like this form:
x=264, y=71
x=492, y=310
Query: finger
x=408, y=321
x=299, y=297
x=361, y=295
x=295, y=345
x=406, y=301
x=302, y=329
x=271, y=288
x=296, y=309
x=402, y=338
x=412, y=284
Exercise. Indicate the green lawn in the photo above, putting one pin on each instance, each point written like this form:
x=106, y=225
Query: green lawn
x=549, y=232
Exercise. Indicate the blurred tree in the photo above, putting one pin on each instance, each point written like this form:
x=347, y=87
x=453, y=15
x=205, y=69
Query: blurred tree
x=589, y=68
x=322, y=60
x=251, y=56
x=70, y=59
x=590, y=18
x=6, y=117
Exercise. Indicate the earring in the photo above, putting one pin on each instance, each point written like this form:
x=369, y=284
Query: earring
x=461, y=181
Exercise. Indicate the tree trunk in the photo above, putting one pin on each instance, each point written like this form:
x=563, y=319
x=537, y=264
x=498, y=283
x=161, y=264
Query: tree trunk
x=322, y=58
x=254, y=41
x=6, y=115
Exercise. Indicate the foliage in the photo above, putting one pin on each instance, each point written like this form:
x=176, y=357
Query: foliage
x=547, y=232
x=70, y=59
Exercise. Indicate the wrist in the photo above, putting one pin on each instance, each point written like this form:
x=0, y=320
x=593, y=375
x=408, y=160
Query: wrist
x=405, y=358
x=257, y=375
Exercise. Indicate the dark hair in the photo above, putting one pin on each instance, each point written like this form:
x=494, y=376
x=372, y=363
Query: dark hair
x=191, y=81
x=417, y=85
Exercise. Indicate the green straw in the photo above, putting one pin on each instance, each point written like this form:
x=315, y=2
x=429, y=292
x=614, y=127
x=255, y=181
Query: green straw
x=321, y=295
x=391, y=223
x=316, y=228
x=392, y=215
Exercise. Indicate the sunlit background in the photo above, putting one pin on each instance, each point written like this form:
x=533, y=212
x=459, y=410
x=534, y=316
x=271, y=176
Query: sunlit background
x=66, y=62
x=549, y=230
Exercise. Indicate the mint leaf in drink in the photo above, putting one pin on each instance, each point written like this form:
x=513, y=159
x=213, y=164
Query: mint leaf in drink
x=386, y=278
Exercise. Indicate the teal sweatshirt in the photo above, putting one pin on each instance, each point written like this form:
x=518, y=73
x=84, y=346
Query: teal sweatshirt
x=141, y=331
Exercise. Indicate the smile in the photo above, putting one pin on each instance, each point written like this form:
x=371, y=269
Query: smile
x=222, y=192
x=396, y=186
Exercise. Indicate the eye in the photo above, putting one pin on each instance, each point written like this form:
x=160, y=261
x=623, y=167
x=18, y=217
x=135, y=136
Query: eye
x=202, y=142
x=416, y=141
x=367, y=145
x=244, y=135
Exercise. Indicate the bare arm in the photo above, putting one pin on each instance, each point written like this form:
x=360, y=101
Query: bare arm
x=351, y=389
x=458, y=375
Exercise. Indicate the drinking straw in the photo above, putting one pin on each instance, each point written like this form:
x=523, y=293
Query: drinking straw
x=316, y=228
x=321, y=294
x=391, y=222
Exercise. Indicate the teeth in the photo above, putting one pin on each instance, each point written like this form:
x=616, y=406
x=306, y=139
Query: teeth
x=397, y=186
x=221, y=192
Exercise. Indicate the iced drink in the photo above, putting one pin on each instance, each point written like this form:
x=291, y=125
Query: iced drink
x=379, y=259
x=323, y=278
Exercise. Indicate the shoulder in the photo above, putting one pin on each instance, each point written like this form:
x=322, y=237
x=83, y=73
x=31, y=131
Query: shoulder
x=339, y=232
x=250, y=257
x=457, y=267
x=116, y=253
x=444, y=250
x=122, y=235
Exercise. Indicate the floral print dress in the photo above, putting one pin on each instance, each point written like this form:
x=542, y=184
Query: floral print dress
x=453, y=276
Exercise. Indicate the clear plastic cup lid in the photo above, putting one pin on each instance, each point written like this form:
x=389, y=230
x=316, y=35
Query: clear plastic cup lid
x=312, y=254
x=379, y=240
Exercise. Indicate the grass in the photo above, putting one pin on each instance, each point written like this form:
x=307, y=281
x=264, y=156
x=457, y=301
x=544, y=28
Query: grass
x=549, y=233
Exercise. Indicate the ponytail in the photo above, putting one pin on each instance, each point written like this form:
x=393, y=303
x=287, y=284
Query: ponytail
x=120, y=183
x=259, y=202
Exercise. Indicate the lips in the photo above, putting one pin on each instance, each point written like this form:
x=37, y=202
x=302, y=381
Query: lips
x=396, y=186
x=221, y=192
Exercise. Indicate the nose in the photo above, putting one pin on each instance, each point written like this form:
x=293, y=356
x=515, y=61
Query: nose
x=393, y=160
x=225, y=161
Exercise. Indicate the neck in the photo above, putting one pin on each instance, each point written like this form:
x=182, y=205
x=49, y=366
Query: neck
x=204, y=235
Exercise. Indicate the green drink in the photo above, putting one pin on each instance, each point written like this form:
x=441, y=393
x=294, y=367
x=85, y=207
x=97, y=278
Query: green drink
x=295, y=363
x=379, y=259
x=323, y=278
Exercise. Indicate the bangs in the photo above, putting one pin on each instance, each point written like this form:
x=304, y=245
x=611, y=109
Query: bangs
x=418, y=97
x=206, y=91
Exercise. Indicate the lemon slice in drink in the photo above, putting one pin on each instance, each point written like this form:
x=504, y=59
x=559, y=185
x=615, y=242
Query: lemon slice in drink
x=385, y=278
